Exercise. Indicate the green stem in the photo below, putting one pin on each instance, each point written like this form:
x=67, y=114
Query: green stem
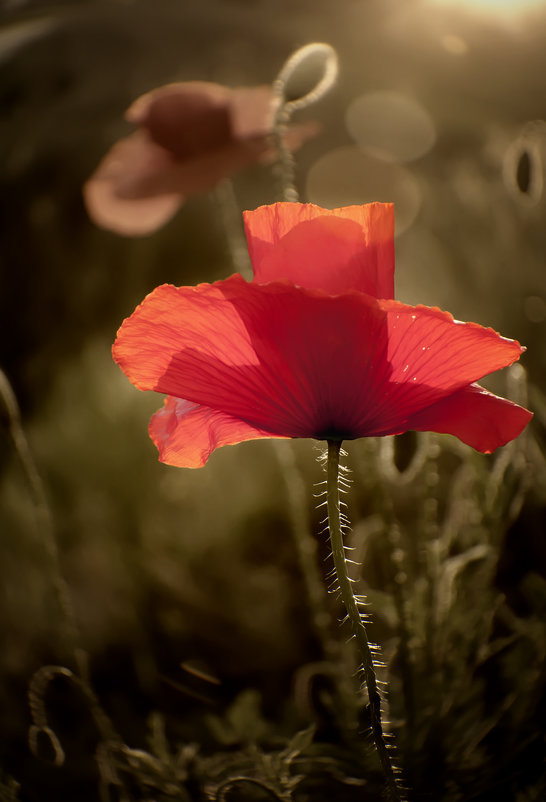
x=359, y=632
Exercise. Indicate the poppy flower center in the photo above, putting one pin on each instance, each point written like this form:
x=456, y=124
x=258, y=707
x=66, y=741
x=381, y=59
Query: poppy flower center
x=334, y=433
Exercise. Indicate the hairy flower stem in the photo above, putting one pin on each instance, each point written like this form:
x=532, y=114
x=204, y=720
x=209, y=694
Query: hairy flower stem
x=359, y=631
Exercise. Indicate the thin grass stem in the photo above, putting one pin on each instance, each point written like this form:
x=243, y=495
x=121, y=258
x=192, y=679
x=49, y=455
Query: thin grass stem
x=70, y=631
x=44, y=524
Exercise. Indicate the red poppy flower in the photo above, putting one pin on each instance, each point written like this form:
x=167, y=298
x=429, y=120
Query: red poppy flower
x=190, y=136
x=315, y=346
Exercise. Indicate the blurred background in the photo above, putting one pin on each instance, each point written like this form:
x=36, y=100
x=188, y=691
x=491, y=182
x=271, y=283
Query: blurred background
x=189, y=590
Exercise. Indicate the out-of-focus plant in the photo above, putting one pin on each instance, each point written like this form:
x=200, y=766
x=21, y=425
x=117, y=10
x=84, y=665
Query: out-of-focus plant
x=523, y=166
x=434, y=531
x=190, y=136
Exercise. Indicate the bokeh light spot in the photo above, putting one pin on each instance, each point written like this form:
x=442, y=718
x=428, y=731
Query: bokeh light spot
x=454, y=44
x=505, y=7
x=534, y=308
x=391, y=125
x=347, y=176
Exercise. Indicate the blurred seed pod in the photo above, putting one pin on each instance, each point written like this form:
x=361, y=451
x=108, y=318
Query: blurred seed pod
x=523, y=165
x=401, y=458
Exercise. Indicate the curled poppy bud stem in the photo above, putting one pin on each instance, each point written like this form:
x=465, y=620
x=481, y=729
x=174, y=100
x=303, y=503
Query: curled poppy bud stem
x=354, y=617
x=293, y=90
x=306, y=58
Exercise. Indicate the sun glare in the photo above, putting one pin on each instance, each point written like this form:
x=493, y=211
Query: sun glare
x=511, y=7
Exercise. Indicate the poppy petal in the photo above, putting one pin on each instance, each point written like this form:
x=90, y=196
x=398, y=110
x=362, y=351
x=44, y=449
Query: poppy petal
x=300, y=363
x=186, y=434
x=333, y=250
x=296, y=135
x=131, y=191
x=138, y=111
x=478, y=418
x=187, y=119
x=252, y=111
x=130, y=218
x=135, y=167
x=428, y=356
x=138, y=186
x=194, y=343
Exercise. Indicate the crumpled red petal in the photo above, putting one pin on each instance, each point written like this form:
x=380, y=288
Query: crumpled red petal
x=195, y=117
x=336, y=250
x=477, y=417
x=185, y=146
x=299, y=363
x=186, y=434
x=191, y=136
